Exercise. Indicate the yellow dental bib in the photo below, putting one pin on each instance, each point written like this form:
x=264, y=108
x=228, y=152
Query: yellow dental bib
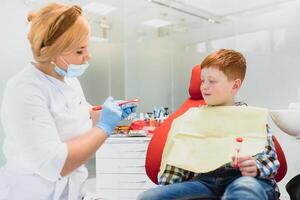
x=203, y=139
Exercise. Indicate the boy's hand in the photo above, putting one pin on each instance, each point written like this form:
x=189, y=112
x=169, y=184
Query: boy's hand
x=246, y=165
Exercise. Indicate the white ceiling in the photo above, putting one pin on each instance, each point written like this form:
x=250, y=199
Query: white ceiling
x=232, y=7
x=185, y=15
x=142, y=10
x=220, y=8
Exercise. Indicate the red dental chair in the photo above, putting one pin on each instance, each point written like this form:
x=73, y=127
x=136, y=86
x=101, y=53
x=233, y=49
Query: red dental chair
x=157, y=143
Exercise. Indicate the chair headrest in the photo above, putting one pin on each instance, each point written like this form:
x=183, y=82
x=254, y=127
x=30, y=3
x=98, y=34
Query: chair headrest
x=195, y=83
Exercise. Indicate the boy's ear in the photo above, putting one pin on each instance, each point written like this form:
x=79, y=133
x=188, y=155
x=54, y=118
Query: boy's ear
x=236, y=85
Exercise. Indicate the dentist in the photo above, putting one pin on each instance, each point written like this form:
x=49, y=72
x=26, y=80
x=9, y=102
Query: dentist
x=45, y=116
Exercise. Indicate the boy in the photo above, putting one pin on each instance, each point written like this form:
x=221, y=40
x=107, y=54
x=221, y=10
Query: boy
x=222, y=74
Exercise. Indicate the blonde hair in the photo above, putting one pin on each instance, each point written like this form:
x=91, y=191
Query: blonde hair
x=55, y=29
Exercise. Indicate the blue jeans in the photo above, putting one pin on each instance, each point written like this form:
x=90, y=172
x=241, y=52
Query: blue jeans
x=229, y=188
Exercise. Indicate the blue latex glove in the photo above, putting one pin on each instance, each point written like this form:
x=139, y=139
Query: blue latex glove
x=127, y=109
x=111, y=114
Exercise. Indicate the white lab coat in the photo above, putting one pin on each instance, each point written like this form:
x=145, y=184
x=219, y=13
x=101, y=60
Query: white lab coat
x=39, y=113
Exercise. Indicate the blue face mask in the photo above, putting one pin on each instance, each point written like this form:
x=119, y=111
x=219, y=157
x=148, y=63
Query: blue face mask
x=72, y=70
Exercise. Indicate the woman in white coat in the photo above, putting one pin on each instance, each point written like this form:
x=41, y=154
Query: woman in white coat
x=46, y=119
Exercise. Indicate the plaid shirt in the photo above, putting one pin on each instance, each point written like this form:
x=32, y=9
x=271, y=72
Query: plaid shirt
x=266, y=162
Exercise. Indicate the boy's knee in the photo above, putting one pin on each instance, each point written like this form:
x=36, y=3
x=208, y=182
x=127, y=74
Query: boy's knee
x=142, y=196
x=246, y=182
x=146, y=195
x=245, y=186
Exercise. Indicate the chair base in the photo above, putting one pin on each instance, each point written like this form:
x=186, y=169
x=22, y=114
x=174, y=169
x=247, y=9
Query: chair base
x=293, y=188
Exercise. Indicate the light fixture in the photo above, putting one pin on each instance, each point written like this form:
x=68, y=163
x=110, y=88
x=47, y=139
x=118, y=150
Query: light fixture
x=176, y=8
x=98, y=39
x=98, y=8
x=157, y=23
x=211, y=20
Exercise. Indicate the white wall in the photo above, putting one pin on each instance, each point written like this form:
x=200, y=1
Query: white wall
x=105, y=75
x=149, y=67
x=15, y=51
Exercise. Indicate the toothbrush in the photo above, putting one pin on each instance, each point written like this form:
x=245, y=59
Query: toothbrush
x=95, y=108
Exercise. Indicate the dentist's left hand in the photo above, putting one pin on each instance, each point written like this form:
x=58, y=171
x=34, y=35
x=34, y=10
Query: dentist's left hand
x=111, y=114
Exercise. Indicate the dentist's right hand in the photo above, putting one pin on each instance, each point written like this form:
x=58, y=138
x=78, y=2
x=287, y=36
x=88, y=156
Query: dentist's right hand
x=111, y=114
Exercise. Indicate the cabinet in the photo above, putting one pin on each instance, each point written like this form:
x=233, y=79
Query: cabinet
x=120, y=168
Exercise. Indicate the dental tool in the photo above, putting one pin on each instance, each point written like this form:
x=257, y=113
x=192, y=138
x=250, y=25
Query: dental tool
x=239, y=141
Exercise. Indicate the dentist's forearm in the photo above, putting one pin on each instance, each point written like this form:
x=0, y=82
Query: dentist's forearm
x=82, y=148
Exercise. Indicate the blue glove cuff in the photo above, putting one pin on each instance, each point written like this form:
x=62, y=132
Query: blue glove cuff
x=107, y=129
